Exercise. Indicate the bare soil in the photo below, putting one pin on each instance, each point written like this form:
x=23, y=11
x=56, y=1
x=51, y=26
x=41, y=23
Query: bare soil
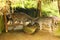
x=41, y=35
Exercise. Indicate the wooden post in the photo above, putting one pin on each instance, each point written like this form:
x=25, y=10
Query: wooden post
x=59, y=5
x=5, y=22
x=5, y=19
x=39, y=8
x=6, y=10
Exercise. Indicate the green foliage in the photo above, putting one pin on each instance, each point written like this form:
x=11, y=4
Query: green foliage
x=25, y=3
x=50, y=9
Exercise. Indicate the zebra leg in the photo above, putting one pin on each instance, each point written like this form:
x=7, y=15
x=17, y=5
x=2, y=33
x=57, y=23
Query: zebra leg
x=50, y=28
x=40, y=26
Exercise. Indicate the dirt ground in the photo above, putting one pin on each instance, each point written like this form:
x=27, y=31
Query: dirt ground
x=42, y=35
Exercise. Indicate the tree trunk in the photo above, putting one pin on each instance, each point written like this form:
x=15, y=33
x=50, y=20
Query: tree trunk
x=39, y=8
x=59, y=5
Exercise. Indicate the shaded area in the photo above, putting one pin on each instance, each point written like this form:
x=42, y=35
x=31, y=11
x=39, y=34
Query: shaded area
x=30, y=11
